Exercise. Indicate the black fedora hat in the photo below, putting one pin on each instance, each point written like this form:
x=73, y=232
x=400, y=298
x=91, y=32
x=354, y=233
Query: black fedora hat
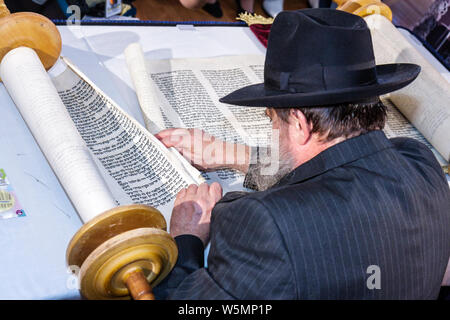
x=319, y=57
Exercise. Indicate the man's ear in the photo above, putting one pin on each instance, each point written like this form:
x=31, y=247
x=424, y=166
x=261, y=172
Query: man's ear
x=302, y=129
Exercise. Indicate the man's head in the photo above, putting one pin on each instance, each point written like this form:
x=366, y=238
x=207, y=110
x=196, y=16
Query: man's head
x=321, y=61
x=305, y=132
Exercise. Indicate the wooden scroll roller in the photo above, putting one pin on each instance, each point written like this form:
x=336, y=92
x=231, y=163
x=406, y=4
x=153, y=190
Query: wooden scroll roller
x=364, y=8
x=121, y=251
x=29, y=30
x=340, y=2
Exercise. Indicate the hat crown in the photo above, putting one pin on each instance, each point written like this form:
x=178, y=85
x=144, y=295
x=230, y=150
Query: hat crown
x=319, y=57
x=318, y=49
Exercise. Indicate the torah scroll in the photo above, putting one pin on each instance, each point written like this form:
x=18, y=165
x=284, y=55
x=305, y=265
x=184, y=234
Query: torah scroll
x=102, y=157
x=426, y=101
x=185, y=93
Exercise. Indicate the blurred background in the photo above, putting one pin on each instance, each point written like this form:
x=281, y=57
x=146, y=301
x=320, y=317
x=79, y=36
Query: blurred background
x=429, y=20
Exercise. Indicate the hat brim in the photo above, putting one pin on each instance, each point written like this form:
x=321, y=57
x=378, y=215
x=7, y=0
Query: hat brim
x=390, y=77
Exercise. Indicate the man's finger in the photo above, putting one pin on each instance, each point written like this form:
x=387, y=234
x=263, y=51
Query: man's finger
x=203, y=189
x=192, y=189
x=216, y=191
x=174, y=141
x=165, y=133
x=181, y=194
x=167, y=142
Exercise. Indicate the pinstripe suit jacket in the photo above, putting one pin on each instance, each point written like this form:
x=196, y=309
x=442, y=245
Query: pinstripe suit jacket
x=366, y=201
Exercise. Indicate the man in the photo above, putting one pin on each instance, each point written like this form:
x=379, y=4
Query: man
x=349, y=214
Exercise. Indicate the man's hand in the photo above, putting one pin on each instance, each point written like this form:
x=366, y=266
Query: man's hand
x=192, y=210
x=204, y=151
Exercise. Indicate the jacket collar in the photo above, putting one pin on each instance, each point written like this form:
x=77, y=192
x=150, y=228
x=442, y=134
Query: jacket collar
x=338, y=155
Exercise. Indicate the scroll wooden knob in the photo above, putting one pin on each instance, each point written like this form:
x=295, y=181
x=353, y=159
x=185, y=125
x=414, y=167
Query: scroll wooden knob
x=32, y=30
x=3, y=9
x=365, y=8
x=340, y=2
x=352, y=5
x=138, y=286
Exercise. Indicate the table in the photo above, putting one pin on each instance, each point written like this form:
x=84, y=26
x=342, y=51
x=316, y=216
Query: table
x=32, y=259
